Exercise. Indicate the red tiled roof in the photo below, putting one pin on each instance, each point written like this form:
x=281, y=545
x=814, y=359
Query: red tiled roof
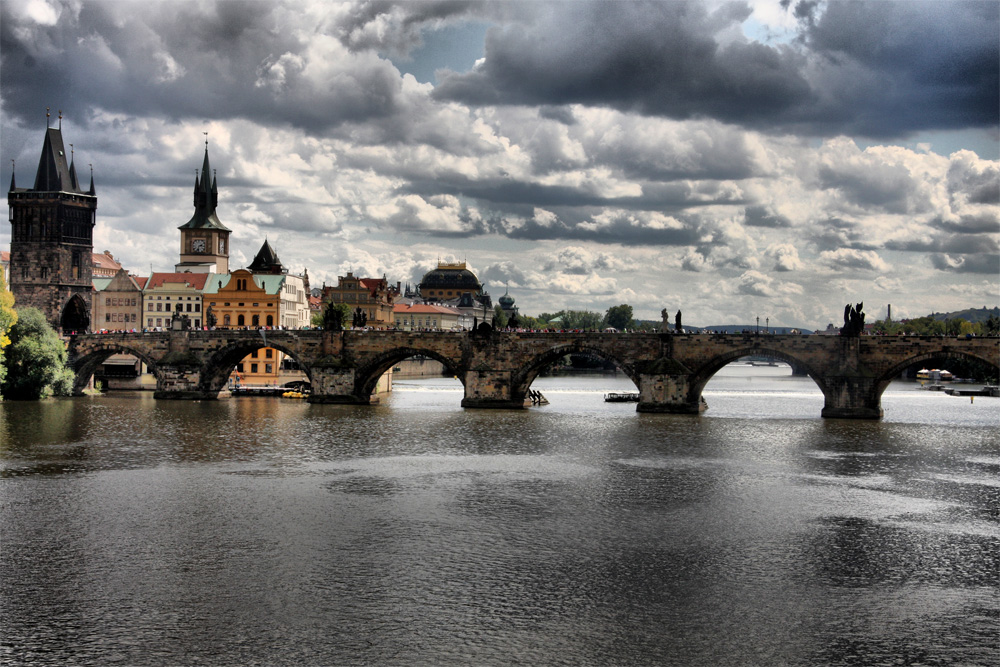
x=105, y=261
x=4, y=256
x=140, y=281
x=195, y=280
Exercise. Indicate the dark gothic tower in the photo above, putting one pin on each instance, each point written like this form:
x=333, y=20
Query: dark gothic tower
x=204, y=239
x=51, y=243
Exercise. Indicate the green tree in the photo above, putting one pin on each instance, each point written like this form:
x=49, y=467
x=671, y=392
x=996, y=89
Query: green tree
x=35, y=360
x=8, y=317
x=619, y=317
x=499, y=317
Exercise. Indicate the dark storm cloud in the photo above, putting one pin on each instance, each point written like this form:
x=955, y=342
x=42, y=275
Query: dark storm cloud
x=988, y=264
x=952, y=244
x=761, y=216
x=880, y=69
x=182, y=61
x=984, y=223
x=835, y=233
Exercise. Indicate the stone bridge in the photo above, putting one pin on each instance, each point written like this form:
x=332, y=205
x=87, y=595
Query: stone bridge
x=496, y=369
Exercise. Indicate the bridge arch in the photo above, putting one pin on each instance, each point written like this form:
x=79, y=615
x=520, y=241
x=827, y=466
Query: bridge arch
x=87, y=363
x=217, y=368
x=367, y=375
x=704, y=373
x=523, y=377
x=892, y=372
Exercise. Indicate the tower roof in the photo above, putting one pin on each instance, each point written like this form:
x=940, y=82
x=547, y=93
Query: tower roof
x=266, y=260
x=206, y=198
x=54, y=173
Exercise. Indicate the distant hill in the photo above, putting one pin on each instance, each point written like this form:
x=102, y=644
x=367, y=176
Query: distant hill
x=969, y=315
x=737, y=328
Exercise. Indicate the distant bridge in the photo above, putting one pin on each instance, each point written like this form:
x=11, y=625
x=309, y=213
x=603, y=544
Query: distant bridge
x=496, y=369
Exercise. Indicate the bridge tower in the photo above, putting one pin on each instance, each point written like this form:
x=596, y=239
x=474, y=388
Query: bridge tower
x=52, y=239
x=204, y=239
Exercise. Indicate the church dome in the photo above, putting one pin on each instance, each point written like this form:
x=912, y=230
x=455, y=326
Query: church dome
x=448, y=281
x=506, y=301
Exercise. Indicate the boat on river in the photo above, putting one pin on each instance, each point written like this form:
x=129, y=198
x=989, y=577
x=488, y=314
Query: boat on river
x=935, y=374
x=622, y=397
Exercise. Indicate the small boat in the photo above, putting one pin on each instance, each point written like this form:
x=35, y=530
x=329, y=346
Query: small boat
x=622, y=397
x=934, y=374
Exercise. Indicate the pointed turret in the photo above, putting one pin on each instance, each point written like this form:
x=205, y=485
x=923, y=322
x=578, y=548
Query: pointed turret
x=74, y=182
x=13, y=186
x=53, y=173
x=206, y=198
x=92, y=191
x=266, y=260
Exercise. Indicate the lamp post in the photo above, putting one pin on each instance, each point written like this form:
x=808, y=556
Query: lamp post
x=757, y=331
x=767, y=325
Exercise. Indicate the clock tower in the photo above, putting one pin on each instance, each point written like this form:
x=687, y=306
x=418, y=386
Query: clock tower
x=204, y=239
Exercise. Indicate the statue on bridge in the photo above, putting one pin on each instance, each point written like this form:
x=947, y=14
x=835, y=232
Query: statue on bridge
x=677, y=323
x=210, y=319
x=854, y=320
x=360, y=318
x=665, y=316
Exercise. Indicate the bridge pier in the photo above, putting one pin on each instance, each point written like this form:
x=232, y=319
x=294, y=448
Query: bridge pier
x=180, y=382
x=490, y=389
x=668, y=393
x=334, y=384
x=851, y=397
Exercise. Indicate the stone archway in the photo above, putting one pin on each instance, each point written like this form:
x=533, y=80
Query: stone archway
x=75, y=317
x=367, y=376
x=85, y=366
x=523, y=377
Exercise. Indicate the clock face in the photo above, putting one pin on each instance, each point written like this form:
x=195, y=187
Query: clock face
x=198, y=245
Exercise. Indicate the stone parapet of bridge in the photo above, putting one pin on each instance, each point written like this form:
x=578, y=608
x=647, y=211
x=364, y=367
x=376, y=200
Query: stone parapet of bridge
x=497, y=369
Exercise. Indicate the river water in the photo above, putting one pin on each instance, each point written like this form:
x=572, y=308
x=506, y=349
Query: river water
x=274, y=532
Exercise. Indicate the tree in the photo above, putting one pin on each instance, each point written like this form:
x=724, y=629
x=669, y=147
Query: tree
x=8, y=318
x=619, y=317
x=35, y=360
x=499, y=317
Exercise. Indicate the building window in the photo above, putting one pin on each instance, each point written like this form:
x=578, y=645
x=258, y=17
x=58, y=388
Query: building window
x=268, y=353
x=268, y=368
x=254, y=354
x=240, y=321
x=225, y=320
x=256, y=320
x=107, y=317
x=159, y=307
x=149, y=322
x=253, y=368
x=270, y=320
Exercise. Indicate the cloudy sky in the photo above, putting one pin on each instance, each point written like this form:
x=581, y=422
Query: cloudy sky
x=771, y=158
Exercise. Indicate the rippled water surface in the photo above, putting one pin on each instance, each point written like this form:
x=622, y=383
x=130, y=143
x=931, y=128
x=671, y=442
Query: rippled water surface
x=269, y=531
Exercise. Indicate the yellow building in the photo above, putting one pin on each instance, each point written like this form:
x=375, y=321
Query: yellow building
x=167, y=293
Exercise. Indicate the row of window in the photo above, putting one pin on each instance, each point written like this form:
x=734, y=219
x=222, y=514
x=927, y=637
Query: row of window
x=119, y=317
x=119, y=301
x=165, y=322
x=241, y=321
x=191, y=307
x=254, y=368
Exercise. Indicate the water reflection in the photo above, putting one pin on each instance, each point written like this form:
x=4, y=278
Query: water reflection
x=415, y=532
